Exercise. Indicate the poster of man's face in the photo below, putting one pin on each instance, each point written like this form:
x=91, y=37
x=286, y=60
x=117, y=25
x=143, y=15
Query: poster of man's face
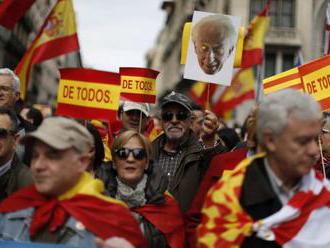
x=212, y=47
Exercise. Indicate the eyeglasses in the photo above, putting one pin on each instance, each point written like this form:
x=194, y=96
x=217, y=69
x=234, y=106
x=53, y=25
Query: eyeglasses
x=4, y=133
x=5, y=89
x=180, y=116
x=138, y=153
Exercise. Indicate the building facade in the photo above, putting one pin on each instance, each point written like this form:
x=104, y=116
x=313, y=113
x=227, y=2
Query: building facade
x=43, y=82
x=297, y=27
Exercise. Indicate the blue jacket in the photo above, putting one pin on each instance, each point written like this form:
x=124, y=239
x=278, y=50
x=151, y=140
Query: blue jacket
x=15, y=226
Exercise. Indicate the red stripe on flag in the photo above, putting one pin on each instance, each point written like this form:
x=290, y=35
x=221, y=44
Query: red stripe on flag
x=138, y=72
x=310, y=67
x=281, y=80
x=251, y=57
x=54, y=48
x=13, y=10
x=90, y=75
x=325, y=104
x=85, y=112
x=308, y=202
x=223, y=106
x=138, y=97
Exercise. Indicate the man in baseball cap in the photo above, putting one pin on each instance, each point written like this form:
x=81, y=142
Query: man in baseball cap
x=178, y=151
x=134, y=115
x=65, y=205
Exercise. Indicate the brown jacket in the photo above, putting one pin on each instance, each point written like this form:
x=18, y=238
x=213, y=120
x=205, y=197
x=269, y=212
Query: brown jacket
x=194, y=162
x=17, y=177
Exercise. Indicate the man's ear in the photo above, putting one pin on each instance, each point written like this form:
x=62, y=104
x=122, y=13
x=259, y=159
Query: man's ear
x=269, y=140
x=85, y=160
x=16, y=139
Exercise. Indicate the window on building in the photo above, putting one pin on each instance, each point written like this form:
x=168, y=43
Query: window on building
x=279, y=59
x=282, y=12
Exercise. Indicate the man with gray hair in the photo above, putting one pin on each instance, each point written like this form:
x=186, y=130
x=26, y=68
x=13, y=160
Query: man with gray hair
x=214, y=41
x=9, y=96
x=9, y=88
x=288, y=126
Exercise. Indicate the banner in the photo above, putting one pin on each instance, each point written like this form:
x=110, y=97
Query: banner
x=11, y=11
x=138, y=84
x=254, y=40
x=315, y=77
x=287, y=79
x=88, y=94
x=57, y=36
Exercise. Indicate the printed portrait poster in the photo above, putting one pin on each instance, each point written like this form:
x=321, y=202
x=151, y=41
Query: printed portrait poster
x=212, y=47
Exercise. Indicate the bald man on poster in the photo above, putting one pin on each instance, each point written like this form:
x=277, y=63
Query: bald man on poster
x=212, y=48
x=214, y=39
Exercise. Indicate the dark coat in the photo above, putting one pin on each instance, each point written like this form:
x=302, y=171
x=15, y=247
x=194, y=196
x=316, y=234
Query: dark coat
x=259, y=200
x=195, y=161
x=155, y=188
x=17, y=177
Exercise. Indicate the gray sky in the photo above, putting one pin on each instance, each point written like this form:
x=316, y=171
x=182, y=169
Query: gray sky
x=117, y=33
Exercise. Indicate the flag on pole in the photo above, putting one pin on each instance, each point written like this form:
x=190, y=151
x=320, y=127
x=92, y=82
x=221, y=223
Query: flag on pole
x=327, y=32
x=202, y=93
x=254, y=39
x=240, y=90
x=57, y=36
x=11, y=11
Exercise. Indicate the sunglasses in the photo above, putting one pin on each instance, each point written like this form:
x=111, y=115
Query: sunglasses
x=180, y=116
x=4, y=133
x=138, y=153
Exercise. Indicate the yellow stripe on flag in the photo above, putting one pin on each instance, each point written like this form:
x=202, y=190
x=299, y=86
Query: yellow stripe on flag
x=287, y=79
x=138, y=85
x=88, y=94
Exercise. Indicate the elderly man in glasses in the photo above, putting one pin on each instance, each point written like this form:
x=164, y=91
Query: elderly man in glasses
x=179, y=152
x=13, y=174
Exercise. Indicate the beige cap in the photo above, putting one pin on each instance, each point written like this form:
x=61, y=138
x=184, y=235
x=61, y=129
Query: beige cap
x=62, y=133
x=143, y=107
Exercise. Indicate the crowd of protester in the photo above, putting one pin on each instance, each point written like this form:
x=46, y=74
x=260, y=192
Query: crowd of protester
x=65, y=181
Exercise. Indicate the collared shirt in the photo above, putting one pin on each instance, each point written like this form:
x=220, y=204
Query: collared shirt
x=169, y=162
x=283, y=193
x=6, y=167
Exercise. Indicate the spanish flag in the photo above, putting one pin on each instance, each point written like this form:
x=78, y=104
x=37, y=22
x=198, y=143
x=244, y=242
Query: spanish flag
x=288, y=79
x=202, y=92
x=240, y=90
x=57, y=36
x=254, y=39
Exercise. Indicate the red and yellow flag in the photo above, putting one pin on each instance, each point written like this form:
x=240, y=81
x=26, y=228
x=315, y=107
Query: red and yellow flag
x=288, y=79
x=224, y=223
x=202, y=93
x=254, y=39
x=13, y=10
x=138, y=84
x=57, y=36
x=240, y=90
x=88, y=94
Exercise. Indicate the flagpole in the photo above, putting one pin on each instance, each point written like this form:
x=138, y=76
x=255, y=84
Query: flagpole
x=259, y=90
x=208, y=107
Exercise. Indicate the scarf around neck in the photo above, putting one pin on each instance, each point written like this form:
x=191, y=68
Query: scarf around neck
x=132, y=197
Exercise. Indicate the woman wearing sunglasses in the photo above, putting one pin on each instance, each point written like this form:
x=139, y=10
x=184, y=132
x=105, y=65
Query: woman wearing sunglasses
x=142, y=186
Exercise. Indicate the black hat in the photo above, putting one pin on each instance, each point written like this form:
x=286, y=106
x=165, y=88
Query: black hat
x=179, y=98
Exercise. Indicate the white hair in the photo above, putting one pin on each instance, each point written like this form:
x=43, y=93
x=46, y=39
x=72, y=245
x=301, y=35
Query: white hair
x=223, y=22
x=274, y=112
x=16, y=81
